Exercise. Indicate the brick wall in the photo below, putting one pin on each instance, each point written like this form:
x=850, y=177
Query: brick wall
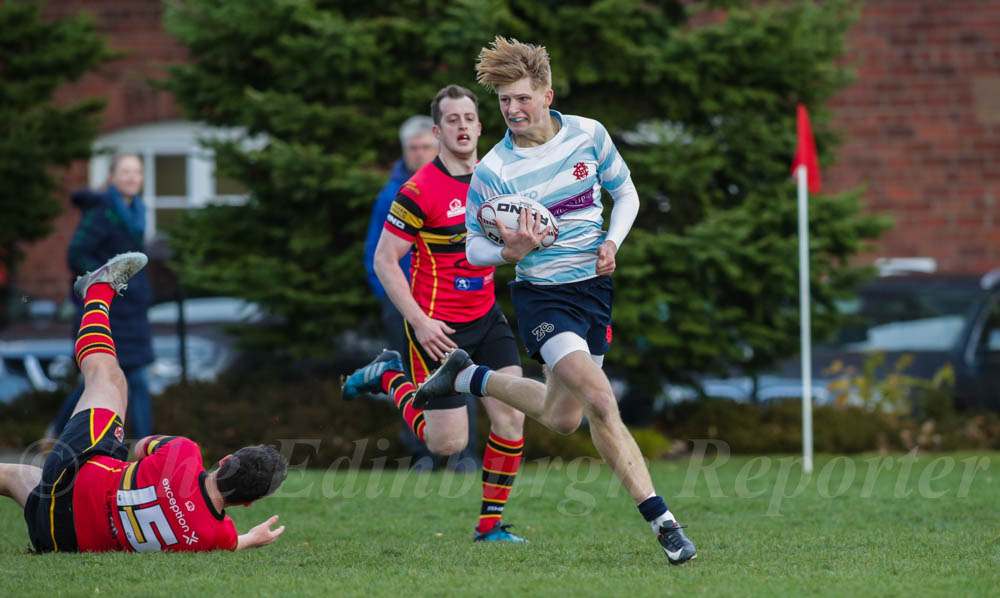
x=134, y=27
x=921, y=127
x=921, y=124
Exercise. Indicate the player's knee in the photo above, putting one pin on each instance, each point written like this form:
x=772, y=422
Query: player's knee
x=448, y=445
x=566, y=423
x=601, y=408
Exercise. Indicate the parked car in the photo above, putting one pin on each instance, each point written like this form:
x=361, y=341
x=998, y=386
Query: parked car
x=933, y=319
x=36, y=351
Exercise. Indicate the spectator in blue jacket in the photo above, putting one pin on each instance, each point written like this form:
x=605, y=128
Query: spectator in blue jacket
x=419, y=148
x=113, y=221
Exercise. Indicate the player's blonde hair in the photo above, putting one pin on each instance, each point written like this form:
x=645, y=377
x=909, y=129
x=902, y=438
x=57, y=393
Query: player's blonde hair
x=508, y=60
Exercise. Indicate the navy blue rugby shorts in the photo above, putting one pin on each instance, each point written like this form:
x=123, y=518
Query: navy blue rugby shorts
x=544, y=311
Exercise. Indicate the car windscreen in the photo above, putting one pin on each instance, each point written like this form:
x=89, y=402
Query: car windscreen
x=905, y=318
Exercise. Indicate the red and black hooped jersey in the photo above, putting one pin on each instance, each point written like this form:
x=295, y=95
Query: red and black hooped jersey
x=429, y=212
x=157, y=503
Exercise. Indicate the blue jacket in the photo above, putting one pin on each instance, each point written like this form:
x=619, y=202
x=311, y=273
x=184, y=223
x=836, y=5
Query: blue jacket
x=379, y=211
x=108, y=227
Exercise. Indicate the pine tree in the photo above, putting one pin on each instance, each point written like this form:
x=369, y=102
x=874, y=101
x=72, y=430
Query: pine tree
x=704, y=116
x=36, y=57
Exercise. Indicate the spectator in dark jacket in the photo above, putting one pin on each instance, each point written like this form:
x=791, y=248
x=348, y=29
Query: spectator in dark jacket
x=113, y=221
x=419, y=148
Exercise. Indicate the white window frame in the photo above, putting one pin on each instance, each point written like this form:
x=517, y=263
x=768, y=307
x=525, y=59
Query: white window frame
x=174, y=137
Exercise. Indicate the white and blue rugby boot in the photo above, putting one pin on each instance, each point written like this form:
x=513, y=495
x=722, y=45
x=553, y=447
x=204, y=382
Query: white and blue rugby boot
x=116, y=272
x=368, y=379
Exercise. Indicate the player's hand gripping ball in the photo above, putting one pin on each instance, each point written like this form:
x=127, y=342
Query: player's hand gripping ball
x=507, y=209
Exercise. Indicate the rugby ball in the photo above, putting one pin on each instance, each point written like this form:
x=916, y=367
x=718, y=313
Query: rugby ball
x=507, y=209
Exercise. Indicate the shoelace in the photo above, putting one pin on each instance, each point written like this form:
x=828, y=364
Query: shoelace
x=122, y=279
x=674, y=540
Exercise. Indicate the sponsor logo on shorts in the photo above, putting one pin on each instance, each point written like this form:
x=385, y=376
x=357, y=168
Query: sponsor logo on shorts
x=542, y=329
x=607, y=334
x=119, y=434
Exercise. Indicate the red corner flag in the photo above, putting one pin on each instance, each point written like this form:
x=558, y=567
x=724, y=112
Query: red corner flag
x=805, y=152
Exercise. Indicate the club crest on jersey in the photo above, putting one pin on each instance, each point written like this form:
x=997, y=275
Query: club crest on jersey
x=455, y=208
x=119, y=434
x=580, y=171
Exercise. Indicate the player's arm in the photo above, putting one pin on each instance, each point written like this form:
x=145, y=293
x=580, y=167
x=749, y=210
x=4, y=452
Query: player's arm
x=431, y=334
x=520, y=241
x=623, y=214
x=260, y=535
x=615, y=177
x=479, y=250
x=149, y=445
x=388, y=252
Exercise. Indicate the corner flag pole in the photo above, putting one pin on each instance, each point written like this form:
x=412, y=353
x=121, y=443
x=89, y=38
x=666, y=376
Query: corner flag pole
x=806, y=170
x=801, y=175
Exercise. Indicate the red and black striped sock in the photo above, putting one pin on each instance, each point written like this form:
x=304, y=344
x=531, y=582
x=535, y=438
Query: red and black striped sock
x=95, y=328
x=401, y=389
x=500, y=464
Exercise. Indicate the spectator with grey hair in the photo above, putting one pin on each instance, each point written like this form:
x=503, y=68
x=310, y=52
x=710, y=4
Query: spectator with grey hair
x=419, y=148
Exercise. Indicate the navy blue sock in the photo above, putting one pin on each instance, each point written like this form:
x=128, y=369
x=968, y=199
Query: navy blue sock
x=478, y=383
x=652, y=508
x=473, y=380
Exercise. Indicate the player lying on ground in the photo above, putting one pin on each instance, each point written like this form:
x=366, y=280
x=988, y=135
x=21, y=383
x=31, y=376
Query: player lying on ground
x=88, y=498
x=563, y=294
x=450, y=304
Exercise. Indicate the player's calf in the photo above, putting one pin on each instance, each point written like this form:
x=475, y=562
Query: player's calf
x=18, y=480
x=96, y=355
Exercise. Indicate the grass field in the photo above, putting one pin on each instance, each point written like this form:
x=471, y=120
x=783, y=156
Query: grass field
x=861, y=526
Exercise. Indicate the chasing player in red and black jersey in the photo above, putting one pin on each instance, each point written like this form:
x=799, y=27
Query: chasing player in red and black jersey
x=450, y=304
x=88, y=498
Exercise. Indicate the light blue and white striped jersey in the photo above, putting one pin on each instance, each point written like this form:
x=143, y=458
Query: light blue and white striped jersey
x=565, y=174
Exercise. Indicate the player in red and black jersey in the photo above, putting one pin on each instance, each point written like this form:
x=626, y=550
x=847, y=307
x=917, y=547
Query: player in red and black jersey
x=88, y=498
x=449, y=303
